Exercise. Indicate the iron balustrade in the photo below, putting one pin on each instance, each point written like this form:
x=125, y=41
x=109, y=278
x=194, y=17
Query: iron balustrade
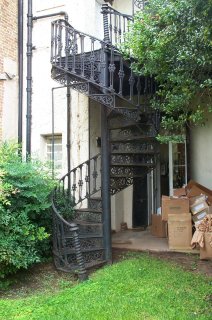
x=80, y=183
x=96, y=68
x=116, y=25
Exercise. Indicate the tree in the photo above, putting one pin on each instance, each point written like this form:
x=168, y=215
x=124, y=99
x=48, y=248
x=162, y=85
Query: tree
x=171, y=40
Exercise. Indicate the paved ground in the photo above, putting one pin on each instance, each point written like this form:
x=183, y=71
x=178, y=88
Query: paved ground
x=142, y=241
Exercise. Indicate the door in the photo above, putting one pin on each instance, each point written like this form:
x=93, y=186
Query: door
x=140, y=203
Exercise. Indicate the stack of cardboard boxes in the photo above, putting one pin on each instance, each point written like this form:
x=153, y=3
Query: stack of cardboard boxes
x=180, y=215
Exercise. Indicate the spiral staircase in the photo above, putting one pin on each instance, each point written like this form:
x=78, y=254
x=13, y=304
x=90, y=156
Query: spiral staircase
x=97, y=69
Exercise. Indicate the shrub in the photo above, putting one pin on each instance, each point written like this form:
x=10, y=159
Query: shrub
x=25, y=216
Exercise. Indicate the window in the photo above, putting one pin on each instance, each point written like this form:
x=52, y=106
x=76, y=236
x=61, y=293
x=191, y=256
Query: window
x=54, y=151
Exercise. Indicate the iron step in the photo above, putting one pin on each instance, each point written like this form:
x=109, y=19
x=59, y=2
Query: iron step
x=82, y=236
x=133, y=138
x=112, y=176
x=88, y=215
x=67, y=250
x=133, y=152
x=133, y=164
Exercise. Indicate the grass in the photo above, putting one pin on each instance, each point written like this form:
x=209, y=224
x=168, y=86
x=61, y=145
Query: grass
x=140, y=287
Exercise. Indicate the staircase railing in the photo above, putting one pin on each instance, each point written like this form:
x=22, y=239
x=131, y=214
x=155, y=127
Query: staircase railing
x=116, y=25
x=95, y=68
x=79, y=184
x=73, y=188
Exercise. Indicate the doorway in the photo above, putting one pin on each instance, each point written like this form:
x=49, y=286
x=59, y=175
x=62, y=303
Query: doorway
x=140, y=202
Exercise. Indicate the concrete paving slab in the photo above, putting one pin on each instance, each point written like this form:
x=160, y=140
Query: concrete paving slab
x=143, y=241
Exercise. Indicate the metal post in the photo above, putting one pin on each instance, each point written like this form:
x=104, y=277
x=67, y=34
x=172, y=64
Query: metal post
x=106, y=23
x=20, y=70
x=68, y=135
x=79, y=257
x=105, y=176
x=170, y=169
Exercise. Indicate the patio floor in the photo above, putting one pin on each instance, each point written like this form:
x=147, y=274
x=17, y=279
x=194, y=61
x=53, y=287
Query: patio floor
x=137, y=239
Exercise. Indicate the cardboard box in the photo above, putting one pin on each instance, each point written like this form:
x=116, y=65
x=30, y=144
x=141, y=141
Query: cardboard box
x=199, y=206
x=197, y=218
x=194, y=189
x=201, y=198
x=174, y=206
x=206, y=251
x=180, y=231
x=180, y=192
x=158, y=227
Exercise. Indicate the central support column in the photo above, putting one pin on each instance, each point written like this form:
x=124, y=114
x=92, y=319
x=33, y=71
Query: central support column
x=105, y=176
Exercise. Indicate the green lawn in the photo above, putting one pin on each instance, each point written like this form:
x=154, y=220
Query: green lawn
x=136, y=288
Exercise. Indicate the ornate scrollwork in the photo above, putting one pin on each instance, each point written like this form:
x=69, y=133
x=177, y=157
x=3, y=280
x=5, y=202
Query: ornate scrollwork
x=89, y=216
x=81, y=87
x=105, y=99
x=140, y=3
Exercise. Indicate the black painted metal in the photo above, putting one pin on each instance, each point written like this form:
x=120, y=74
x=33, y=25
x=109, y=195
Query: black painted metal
x=116, y=24
x=97, y=69
x=105, y=176
x=79, y=257
x=29, y=80
x=68, y=135
x=82, y=57
x=20, y=70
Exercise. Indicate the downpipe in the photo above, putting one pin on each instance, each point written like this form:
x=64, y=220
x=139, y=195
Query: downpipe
x=30, y=20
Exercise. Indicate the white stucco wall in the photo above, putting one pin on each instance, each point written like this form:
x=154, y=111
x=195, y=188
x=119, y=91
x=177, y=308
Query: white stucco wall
x=123, y=6
x=201, y=154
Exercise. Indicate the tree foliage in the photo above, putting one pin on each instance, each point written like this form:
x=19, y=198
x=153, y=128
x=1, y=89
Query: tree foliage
x=25, y=218
x=171, y=40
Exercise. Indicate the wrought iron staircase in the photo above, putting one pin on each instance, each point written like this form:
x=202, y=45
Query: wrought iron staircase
x=97, y=69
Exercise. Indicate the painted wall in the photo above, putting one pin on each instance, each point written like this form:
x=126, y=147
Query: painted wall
x=8, y=70
x=201, y=154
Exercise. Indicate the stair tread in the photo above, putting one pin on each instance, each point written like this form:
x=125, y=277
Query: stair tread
x=88, y=210
x=125, y=139
x=125, y=176
x=85, y=236
x=133, y=152
x=133, y=125
x=132, y=164
x=68, y=250
x=87, y=223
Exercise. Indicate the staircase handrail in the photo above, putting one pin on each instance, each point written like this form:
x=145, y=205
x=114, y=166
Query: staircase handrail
x=115, y=24
x=72, y=185
x=67, y=24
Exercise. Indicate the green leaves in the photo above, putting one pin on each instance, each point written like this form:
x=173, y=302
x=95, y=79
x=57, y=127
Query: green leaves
x=25, y=218
x=172, y=41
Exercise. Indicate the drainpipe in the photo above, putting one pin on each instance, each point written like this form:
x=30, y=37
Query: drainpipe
x=29, y=79
x=61, y=13
x=20, y=70
x=30, y=19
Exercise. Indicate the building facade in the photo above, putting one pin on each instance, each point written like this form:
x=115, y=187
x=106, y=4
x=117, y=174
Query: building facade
x=8, y=69
x=82, y=111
